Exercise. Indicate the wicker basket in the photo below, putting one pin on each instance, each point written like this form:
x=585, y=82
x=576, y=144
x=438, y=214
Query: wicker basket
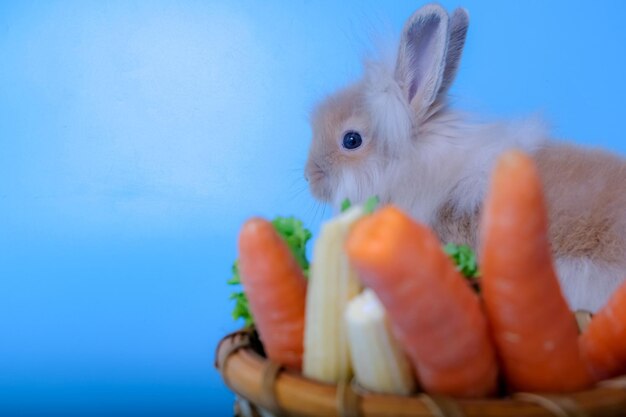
x=263, y=388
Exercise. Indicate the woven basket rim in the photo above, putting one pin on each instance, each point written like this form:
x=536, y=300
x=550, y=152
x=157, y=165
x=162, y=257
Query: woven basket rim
x=287, y=393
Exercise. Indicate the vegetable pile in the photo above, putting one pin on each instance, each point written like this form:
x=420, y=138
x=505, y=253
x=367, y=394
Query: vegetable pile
x=386, y=304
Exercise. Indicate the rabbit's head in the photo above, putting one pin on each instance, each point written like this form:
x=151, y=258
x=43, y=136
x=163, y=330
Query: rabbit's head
x=365, y=135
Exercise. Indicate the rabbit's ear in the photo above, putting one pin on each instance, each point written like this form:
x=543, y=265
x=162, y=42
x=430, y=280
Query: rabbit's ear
x=422, y=56
x=459, y=21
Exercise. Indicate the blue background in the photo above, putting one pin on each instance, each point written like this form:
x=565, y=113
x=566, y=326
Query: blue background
x=135, y=137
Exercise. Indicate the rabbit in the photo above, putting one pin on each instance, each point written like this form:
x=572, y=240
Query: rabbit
x=394, y=135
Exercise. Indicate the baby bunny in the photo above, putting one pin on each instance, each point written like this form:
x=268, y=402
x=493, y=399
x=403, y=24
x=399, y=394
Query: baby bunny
x=393, y=134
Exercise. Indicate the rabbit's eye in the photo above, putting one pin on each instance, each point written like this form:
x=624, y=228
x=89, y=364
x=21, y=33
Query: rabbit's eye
x=352, y=140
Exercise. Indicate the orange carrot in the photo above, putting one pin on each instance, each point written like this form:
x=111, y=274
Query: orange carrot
x=603, y=343
x=434, y=314
x=276, y=291
x=534, y=330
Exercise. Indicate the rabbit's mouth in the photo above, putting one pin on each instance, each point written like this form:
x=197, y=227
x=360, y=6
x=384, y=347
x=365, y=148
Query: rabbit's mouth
x=318, y=181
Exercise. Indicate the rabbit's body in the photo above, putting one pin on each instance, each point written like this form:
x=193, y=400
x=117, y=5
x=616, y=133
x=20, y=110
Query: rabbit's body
x=414, y=151
x=587, y=220
x=586, y=196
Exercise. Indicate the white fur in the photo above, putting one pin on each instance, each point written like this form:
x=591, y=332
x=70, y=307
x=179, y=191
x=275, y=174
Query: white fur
x=587, y=285
x=384, y=101
x=427, y=154
x=440, y=164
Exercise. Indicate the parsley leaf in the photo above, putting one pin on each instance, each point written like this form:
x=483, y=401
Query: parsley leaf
x=371, y=204
x=241, y=309
x=296, y=236
x=345, y=205
x=464, y=259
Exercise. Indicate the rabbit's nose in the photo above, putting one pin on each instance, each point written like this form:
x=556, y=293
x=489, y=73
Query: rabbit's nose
x=313, y=172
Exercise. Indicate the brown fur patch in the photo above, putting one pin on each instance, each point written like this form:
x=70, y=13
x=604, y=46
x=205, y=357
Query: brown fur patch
x=341, y=112
x=454, y=227
x=586, y=197
x=585, y=192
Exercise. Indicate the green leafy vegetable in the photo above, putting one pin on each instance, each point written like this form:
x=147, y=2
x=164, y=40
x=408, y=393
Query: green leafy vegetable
x=345, y=205
x=464, y=258
x=241, y=309
x=296, y=236
x=371, y=204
